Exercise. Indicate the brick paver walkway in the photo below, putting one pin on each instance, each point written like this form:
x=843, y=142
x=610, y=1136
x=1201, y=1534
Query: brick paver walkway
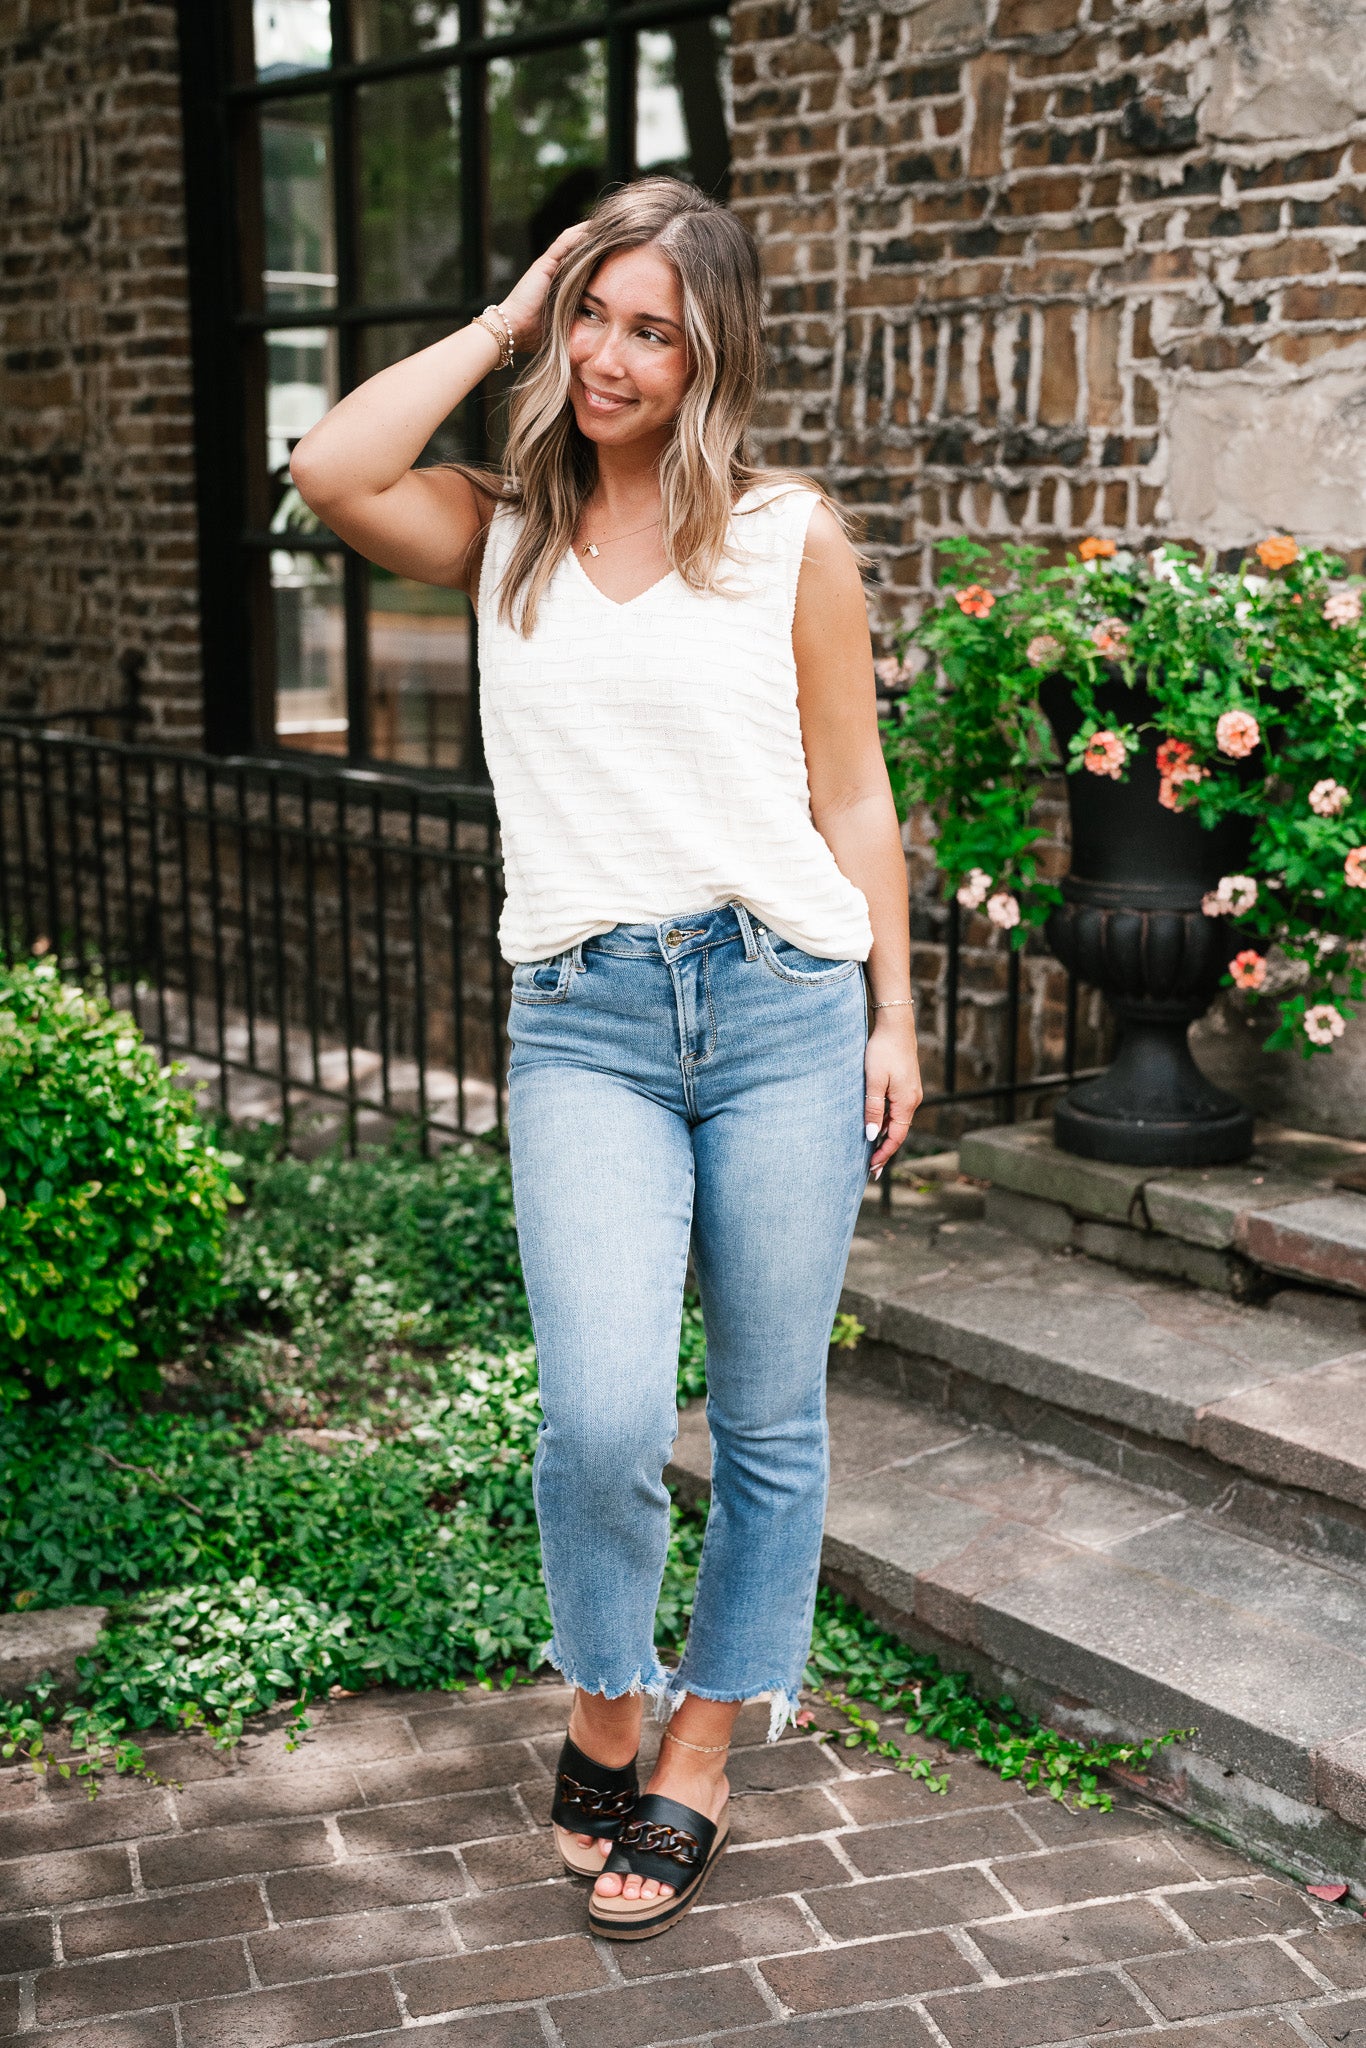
x=394, y=1880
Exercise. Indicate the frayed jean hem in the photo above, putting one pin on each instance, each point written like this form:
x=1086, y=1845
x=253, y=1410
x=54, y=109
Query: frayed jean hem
x=654, y=1686
x=782, y=1703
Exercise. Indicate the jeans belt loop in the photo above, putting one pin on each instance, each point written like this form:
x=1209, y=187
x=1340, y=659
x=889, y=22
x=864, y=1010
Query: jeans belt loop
x=577, y=954
x=742, y=918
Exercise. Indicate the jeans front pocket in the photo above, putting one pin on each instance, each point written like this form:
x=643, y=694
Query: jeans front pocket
x=790, y=963
x=543, y=981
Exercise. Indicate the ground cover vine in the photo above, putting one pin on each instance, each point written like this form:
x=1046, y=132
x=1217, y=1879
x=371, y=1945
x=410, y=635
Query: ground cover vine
x=333, y=1489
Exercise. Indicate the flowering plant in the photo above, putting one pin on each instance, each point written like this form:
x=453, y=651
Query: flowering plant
x=1252, y=680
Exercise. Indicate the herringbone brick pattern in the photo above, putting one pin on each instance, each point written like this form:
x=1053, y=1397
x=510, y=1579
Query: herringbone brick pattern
x=394, y=1879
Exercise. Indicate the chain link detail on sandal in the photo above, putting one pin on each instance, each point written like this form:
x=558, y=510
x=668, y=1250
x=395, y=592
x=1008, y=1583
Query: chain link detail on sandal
x=590, y=1799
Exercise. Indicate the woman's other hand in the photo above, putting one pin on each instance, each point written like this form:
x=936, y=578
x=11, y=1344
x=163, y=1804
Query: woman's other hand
x=892, y=1090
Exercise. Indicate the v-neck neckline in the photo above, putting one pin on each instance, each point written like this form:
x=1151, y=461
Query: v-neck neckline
x=619, y=604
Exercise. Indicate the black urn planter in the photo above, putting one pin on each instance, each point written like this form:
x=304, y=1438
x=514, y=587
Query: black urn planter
x=1131, y=925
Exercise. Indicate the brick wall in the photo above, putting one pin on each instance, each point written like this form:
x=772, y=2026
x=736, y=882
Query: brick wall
x=97, y=517
x=1039, y=268
x=1034, y=271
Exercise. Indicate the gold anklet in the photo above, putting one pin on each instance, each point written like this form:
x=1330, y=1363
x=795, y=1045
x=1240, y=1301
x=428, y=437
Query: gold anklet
x=698, y=1748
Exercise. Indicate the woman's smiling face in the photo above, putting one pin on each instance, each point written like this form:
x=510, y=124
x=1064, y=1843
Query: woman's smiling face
x=627, y=354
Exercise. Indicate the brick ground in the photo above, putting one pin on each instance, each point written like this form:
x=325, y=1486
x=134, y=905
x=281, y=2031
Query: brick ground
x=396, y=1877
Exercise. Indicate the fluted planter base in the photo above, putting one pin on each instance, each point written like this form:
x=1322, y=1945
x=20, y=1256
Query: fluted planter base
x=1153, y=1106
x=1131, y=923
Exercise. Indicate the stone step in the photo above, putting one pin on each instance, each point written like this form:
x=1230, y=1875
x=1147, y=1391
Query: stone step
x=1295, y=1211
x=1110, y=1608
x=1256, y=1407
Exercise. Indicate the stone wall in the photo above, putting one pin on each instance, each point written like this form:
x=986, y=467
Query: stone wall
x=97, y=514
x=1042, y=267
x=1039, y=268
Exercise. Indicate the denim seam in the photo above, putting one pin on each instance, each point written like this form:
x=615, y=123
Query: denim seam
x=845, y=971
x=696, y=1060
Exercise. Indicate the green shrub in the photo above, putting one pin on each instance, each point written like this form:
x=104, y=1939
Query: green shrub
x=112, y=1199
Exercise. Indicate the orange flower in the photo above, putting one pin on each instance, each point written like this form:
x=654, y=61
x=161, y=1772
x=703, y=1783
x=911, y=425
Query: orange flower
x=1248, y=970
x=975, y=601
x=1277, y=551
x=1091, y=547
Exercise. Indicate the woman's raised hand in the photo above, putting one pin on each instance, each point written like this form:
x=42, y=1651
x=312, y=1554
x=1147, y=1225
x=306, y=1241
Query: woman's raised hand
x=525, y=303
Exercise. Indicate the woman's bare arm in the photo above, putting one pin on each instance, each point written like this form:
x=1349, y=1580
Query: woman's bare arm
x=852, y=807
x=355, y=468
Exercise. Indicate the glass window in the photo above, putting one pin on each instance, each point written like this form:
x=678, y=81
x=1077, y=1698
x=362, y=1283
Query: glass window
x=682, y=86
x=300, y=272
x=419, y=672
x=291, y=35
x=398, y=28
x=547, y=119
x=301, y=385
x=310, y=651
x=409, y=147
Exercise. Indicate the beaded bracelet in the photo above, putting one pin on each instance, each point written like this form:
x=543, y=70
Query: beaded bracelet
x=502, y=333
x=901, y=1003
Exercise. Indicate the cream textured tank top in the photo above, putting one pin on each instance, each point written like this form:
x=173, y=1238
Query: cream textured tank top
x=647, y=757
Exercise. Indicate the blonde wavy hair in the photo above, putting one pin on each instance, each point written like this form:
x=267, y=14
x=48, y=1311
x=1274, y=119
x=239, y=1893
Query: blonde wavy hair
x=550, y=468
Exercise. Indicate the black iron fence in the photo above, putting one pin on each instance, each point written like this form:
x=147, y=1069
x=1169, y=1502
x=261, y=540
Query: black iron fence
x=319, y=942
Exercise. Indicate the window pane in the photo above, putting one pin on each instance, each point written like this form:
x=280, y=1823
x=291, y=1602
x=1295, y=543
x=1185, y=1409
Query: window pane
x=410, y=189
x=396, y=28
x=419, y=672
x=547, y=151
x=310, y=639
x=300, y=250
x=504, y=17
x=682, y=87
x=301, y=387
x=291, y=35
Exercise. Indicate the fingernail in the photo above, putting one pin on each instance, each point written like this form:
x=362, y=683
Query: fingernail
x=870, y=1131
x=877, y=1173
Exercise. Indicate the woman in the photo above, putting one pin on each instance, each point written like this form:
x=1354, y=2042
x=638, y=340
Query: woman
x=701, y=851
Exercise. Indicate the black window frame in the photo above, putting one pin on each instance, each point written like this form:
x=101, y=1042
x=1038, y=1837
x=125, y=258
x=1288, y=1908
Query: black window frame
x=220, y=96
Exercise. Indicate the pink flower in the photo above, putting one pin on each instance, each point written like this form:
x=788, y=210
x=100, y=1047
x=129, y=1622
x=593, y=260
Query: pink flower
x=1322, y=1024
x=1003, y=910
x=974, y=889
x=891, y=671
x=1328, y=798
x=975, y=601
x=1110, y=636
x=1237, y=733
x=1042, y=650
x=1105, y=754
x=1354, y=868
x=1248, y=969
x=1176, y=767
x=1343, y=608
x=1234, y=897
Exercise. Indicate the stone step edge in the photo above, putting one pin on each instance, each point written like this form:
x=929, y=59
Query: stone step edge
x=1316, y=1833
x=1241, y=1230
x=1233, y=1438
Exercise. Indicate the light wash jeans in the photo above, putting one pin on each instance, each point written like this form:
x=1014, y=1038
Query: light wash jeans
x=696, y=1076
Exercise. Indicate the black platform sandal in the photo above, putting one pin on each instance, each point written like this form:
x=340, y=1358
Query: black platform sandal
x=670, y=1843
x=590, y=1799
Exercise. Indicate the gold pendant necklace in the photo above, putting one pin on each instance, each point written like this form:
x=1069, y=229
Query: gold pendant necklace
x=590, y=547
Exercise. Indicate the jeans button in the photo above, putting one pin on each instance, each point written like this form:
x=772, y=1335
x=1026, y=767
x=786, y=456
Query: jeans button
x=673, y=937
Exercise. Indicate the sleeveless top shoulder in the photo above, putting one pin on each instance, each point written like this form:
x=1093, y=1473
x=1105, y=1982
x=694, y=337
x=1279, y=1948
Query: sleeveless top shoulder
x=647, y=757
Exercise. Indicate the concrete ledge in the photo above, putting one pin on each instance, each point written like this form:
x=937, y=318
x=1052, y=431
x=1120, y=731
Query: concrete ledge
x=1109, y=1610
x=1226, y=1228
x=46, y=1639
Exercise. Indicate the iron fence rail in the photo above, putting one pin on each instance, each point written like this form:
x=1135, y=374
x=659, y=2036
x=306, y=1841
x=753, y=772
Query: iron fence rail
x=324, y=933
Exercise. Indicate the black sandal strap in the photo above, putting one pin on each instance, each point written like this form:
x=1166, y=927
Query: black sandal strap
x=592, y=1798
x=663, y=1840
